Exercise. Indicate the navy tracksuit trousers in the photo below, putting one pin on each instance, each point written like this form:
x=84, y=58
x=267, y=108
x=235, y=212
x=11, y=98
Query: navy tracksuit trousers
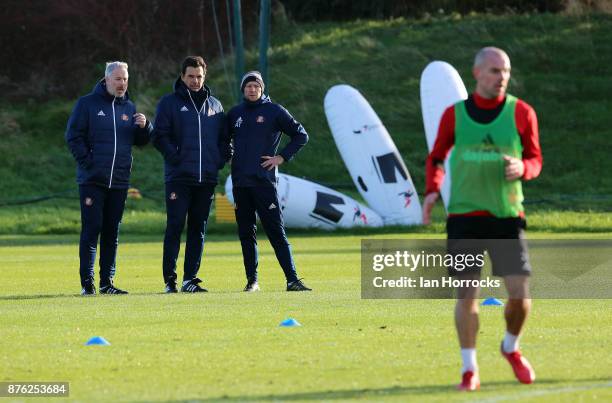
x=264, y=201
x=191, y=202
x=101, y=212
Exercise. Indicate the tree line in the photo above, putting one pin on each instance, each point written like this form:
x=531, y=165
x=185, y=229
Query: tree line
x=54, y=48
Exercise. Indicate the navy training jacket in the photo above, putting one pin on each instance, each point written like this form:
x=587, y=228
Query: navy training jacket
x=255, y=129
x=194, y=143
x=100, y=134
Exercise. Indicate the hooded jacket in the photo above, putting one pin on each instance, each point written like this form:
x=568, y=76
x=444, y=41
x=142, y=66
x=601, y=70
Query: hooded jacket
x=100, y=134
x=191, y=137
x=255, y=129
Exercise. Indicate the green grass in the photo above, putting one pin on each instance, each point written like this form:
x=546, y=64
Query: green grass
x=561, y=65
x=227, y=344
x=144, y=217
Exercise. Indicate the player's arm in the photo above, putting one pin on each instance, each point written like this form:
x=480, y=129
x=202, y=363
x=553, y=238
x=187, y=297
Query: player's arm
x=530, y=138
x=229, y=131
x=143, y=129
x=226, y=149
x=76, y=135
x=530, y=164
x=162, y=133
x=293, y=129
x=434, y=165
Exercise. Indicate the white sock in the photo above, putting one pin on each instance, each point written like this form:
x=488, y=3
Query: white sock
x=468, y=356
x=511, y=343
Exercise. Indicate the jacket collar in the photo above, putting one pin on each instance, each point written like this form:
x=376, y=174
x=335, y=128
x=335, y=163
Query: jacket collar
x=181, y=89
x=252, y=104
x=100, y=89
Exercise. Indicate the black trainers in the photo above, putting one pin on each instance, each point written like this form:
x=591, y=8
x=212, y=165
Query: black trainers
x=111, y=289
x=88, y=289
x=297, y=285
x=251, y=286
x=170, y=288
x=193, y=286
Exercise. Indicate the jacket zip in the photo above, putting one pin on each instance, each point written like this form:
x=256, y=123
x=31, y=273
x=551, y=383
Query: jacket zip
x=110, y=181
x=199, y=131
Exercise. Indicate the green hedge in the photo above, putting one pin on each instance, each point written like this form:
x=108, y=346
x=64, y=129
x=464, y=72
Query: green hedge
x=337, y=10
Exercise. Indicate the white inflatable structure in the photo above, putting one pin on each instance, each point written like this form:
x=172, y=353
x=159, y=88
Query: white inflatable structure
x=371, y=157
x=307, y=204
x=441, y=87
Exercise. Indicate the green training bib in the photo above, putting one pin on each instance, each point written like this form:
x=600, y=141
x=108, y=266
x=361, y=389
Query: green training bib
x=477, y=166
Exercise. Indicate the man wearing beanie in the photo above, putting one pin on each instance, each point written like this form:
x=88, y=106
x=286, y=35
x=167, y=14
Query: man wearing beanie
x=190, y=134
x=255, y=126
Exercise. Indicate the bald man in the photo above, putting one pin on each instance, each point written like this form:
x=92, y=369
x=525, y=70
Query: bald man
x=496, y=147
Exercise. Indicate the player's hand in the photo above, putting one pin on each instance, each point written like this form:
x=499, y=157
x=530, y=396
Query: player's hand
x=514, y=168
x=428, y=204
x=140, y=120
x=272, y=162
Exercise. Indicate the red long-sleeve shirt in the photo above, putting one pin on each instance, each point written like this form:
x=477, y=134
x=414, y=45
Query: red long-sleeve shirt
x=526, y=124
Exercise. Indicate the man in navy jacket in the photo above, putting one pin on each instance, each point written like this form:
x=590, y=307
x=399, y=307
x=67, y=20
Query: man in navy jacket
x=255, y=126
x=190, y=134
x=101, y=130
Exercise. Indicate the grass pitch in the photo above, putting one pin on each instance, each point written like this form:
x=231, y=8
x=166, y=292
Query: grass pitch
x=227, y=344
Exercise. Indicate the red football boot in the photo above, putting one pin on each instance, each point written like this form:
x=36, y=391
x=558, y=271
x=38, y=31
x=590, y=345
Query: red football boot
x=521, y=367
x=469, y=381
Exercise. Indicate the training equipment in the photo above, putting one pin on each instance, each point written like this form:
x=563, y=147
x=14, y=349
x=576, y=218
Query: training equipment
x=492, y=302
x=521, y=367
x=224, y=210
x=371, y=157
x=470, y=381
x=134, y=193
x=441, y=87
x=97, y=341
x=290, y=322
x=307, y=204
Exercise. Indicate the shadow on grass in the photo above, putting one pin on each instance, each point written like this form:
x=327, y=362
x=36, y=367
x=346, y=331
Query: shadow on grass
x=45, y=240
x=219, y=233
x=130, y=295
x=50, y=242
x=36, y=296
x=416, y=391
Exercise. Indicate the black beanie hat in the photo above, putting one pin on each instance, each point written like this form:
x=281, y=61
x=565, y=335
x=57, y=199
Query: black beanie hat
x=252, y=76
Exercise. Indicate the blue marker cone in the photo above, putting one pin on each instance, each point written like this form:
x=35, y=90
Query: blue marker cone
x=290, y=322
x=97, y=341
x=492, y=302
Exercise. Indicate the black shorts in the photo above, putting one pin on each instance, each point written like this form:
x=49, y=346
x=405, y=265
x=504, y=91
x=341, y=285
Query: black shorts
x=502, y=238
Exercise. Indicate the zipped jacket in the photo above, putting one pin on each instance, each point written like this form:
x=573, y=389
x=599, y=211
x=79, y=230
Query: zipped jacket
x=191, y=138
x=255, y=129
x=100, y=134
